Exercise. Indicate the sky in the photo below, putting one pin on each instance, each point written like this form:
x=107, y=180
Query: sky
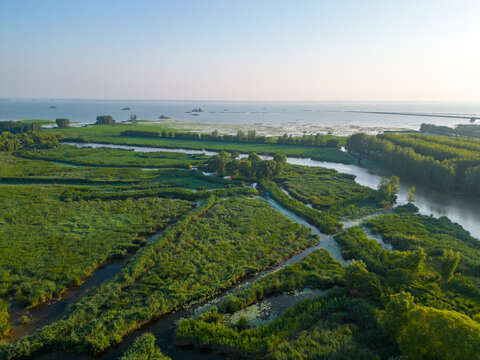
x=261, y=50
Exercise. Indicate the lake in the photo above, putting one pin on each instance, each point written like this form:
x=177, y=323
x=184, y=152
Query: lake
x=266, y=113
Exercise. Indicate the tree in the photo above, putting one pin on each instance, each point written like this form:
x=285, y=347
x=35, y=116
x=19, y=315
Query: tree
x=388, y=189
x=333, y=143
x=428, y=333
x=62, y=122
x=448, y=264
x=105, y=120
x=218, y=162
x=282, y=158
x=411, y=194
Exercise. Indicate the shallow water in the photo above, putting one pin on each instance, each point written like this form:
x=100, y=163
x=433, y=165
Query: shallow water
x=334, y=113
x=461, y=209
x=54, y=309
x=164, y=327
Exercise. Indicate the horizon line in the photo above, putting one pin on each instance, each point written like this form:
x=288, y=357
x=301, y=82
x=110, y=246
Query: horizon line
x=223, y=100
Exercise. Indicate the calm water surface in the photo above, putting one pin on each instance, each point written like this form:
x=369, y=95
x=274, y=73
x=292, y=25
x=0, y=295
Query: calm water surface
x=459, y=208
x=247, y=112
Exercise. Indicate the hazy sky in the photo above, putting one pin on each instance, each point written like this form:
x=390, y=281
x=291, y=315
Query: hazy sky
x=241, y=50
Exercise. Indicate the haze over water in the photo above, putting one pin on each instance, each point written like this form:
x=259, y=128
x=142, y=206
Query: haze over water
x=248, y=112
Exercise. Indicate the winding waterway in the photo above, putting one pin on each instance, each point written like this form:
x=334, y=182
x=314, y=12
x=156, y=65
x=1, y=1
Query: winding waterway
x=164, y=327
x=461, y=209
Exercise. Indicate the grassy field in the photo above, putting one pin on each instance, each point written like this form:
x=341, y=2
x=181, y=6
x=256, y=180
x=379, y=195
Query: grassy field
x=114, y=157
x=387, y=304
x=47, y=245
x=322, y=188
x=111, y=135
x=219, y=243
x=38, y=121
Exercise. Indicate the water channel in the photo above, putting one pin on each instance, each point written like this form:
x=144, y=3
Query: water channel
x=462, y=210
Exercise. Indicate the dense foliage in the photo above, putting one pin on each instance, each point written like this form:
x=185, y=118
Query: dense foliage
x=29, y=140
x=62, y=122
x=447, y=163
x=105, y=120
x=412, y=303
x=115, y=157
x=467, y=130
x=242, y=137
x=210, y=249
x=322, y=220
x=16, y=127
x=111, y=135
x=47, y=245
x=252, y=167
x=318, y=270
x=332, y=327
x=144, y=349
x=324, y=188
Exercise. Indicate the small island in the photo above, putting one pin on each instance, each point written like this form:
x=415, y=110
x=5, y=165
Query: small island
x=126, y=108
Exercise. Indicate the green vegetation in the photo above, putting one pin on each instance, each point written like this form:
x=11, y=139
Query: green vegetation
x=330, y=327
x=252, y=167
x=414, y=303
x=135, y=193
x=20, y=170
x=15, y=127
x=105, y=120
x=420, y=301
x=388, y=190
x=38, y=121
x=62, y=122
x=111, y=135
x=446, y=244
x=447, y=163
x=4, y=317
x=241, y=137
x=317, y=271
x=466, y=130
x=48, y=245
x=321, y=220
x=428, y=333
x=30, y=140
x=144, y=349
x=210, y=249
x=115, y=157
x=327, y=189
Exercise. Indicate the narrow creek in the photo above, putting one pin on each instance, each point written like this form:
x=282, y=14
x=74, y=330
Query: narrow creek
x=164, y=327
x=461, y=209
x=54, y=309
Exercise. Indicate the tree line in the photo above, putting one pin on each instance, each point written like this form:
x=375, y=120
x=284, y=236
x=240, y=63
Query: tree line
x=225, y=163
x=10, y=142
x=428, y=160
x=248, y=137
